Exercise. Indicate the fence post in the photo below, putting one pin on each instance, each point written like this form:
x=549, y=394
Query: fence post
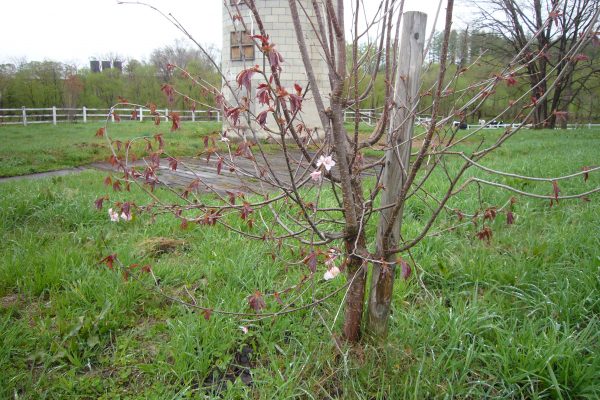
x=218, y=116
x=112, y=115
x=53, y=115
x=166, y=115
x=84, y=113
x=141, y=114
x=24, y=113
x=193, y=116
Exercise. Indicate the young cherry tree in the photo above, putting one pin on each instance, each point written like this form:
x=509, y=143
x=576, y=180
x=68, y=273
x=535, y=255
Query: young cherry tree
x=323, y=192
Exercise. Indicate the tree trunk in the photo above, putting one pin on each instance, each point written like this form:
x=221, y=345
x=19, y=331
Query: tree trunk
x=397, y=158
x=356, y=273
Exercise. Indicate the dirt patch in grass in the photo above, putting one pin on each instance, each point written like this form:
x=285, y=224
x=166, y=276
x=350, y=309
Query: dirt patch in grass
x=9, y=301
x=157, y=246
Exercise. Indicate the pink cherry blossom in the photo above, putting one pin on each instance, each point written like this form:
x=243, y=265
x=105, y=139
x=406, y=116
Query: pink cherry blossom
x=327, y=162
x=331, y=273
x=114, y=216
x=316, y=176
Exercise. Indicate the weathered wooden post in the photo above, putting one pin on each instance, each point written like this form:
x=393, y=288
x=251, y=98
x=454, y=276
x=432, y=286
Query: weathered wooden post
x=84, y=114
x=397, y=158
x=53, y=115
x=166, y=115
x=24, y=113
x=141, y=114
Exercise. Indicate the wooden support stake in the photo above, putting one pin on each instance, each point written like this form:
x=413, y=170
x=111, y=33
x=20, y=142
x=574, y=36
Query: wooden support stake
x=397, y=158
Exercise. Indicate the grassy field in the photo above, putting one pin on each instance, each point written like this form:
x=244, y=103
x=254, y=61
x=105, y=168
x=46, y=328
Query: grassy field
x=516, y=318
x=45, y=147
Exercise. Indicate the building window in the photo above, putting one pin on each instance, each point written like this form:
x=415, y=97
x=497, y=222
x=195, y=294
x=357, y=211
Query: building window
x=242, y=46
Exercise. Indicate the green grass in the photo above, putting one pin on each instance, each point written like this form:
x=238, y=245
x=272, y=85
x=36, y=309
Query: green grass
x=518, y=318
x=45, y=147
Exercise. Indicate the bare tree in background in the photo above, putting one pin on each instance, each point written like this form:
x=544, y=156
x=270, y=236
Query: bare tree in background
x=317, y=202
x=557, y=27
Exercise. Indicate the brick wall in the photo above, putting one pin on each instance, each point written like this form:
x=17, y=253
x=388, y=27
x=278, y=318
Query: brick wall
x=277, y=20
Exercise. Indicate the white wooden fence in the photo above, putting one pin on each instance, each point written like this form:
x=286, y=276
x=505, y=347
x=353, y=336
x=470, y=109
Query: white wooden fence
x=55, y=115
x=371, y=117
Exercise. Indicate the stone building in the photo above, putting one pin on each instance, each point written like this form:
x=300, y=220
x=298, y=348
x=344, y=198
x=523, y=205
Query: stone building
x=239, y=53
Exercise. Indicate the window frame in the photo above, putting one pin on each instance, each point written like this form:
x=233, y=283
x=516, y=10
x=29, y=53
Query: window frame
x=241, y=43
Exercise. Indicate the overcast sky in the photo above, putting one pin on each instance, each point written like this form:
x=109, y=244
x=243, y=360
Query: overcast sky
x=75, y=31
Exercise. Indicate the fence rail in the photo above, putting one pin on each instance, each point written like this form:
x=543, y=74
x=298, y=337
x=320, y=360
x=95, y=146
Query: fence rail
x=371, y=117
x=55, y=115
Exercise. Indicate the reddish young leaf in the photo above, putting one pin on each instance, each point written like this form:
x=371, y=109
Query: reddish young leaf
x=168, y=91
x=107, y=181
x=405, y=270
x=263, y=94
x=156, y=119
x=295, y=103
x=109, y=260
x=118, y=144
x=246, y=210
x=116, y=116
x=298, y=89
x=116, y=186
x=244, y=78
x=172, y=163
x=219, y=165
x=275, y=59
x=586, y=175
x=511, y=80
x=485, y=234
x=556, y=190
x=277, y=297
x=231, y=196
x=233, y=114
x=159, y=139
x=100, y=132
x=460, y=215
x=256, y=301
x=122, y=100
x=114, y=161
x=207, y=313
x=184, y=224
x=152, y=108
x=263, y=39
x=99, y=202
x=134, y=114
x=261, y=118
x=311, y=261
x=510, y=218
x=126, y=209
x=489, y=214
x=176, y=119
